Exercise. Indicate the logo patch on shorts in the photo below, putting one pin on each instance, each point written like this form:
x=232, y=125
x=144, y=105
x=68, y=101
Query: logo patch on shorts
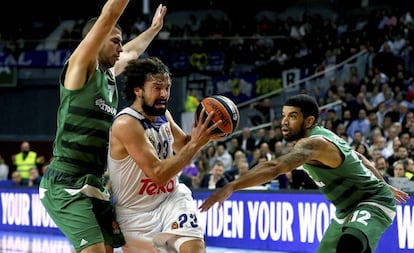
x=174, y=225
x=83, y=242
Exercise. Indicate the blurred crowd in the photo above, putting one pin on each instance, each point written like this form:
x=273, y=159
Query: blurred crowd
x=263, y=42
x=374, y=114
x=26, y=168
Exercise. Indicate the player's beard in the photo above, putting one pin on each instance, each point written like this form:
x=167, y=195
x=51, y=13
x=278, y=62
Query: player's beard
x=296, y=136
x=152, y=110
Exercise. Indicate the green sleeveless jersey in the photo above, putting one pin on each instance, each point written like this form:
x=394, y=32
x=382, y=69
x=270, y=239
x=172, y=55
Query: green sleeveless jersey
x=351, y=183
x=83, y=121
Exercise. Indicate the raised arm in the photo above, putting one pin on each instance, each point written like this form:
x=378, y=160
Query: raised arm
x=84, y=59
x=135, y=47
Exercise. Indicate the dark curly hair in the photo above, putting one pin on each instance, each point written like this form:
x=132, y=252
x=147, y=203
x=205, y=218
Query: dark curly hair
x=138, y=71
x=307, y=104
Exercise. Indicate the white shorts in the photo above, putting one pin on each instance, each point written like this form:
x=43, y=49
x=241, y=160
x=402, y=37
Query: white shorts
x=176, y=216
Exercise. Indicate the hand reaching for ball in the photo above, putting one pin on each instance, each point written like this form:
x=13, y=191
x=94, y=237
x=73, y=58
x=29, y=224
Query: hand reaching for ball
x=225, y=111
x=204, y=129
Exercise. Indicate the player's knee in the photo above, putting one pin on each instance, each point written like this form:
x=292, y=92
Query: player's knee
x=188, y=245
x=352, y=241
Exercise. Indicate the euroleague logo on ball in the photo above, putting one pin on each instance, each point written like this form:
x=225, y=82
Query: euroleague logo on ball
x=224, y=109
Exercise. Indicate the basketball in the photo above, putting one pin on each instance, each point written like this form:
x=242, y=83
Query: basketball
x=224, y=109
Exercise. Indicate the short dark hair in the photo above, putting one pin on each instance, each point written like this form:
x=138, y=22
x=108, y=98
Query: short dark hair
x=218, y=163
x=307, y=104
x=88, y=26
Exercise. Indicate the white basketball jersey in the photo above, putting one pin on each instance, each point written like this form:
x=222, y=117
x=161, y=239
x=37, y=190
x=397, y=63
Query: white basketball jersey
x=132, y=189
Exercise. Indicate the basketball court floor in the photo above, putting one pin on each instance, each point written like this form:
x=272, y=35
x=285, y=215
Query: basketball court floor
x=17, y=242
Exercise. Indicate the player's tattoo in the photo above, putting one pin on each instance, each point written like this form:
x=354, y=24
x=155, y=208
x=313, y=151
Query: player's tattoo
x=302, y=151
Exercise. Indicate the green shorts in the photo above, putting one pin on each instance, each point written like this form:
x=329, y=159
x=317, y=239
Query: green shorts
x=367, y=218
x=80, y=207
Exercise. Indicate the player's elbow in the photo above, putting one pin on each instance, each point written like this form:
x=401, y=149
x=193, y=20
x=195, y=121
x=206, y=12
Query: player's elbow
x=159, y=178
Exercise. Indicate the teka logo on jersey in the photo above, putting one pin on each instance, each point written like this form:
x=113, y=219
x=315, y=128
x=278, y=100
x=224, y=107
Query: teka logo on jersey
x=150, y=188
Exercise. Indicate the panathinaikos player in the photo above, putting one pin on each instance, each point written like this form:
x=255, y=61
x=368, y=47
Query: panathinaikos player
x=365, y=203
x=73, y=190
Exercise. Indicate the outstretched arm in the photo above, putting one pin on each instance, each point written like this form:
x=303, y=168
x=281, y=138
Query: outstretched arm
x=83, y=61
x=135, y=47
x=307, y=149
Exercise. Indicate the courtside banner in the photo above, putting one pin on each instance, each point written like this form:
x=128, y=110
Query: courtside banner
x=289, y=221
x=262, y=220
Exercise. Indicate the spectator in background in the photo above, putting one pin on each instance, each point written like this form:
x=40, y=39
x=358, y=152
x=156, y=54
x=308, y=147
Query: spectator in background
x=382, y=166
x=243, y=167
x=34, y=177
x=25, y=160
x=4, y=170
x=254, y=157
x=392, y=113
x=17, y=179
x=333, y=117
x=355, y=105
x=360, y=124
x=239, y=157
x=399, y=169
x=260, y=137
x=191, y=101
x=203, y=168
x=346, y=119
x=402, y=154
x=211, y=151
x=233, y=146
x=246, y=141
x=392, y=134
x=275, y=135
x=279, y=148
x=265, y=150
x=224, y=156
x=362, y=148
x=357, y=138
x=404, y=138
x=409, y=168
x=407, y=19
x=380, y=112
x=214, y=179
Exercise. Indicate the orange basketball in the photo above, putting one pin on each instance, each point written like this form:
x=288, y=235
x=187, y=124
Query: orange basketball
x=224, y=109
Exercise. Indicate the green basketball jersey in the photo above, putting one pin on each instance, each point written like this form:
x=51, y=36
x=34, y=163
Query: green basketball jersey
x=83, y=121
x=351, y=183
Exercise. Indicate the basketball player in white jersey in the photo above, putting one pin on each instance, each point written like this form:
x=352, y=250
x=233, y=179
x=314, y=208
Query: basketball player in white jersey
x=155, y=212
